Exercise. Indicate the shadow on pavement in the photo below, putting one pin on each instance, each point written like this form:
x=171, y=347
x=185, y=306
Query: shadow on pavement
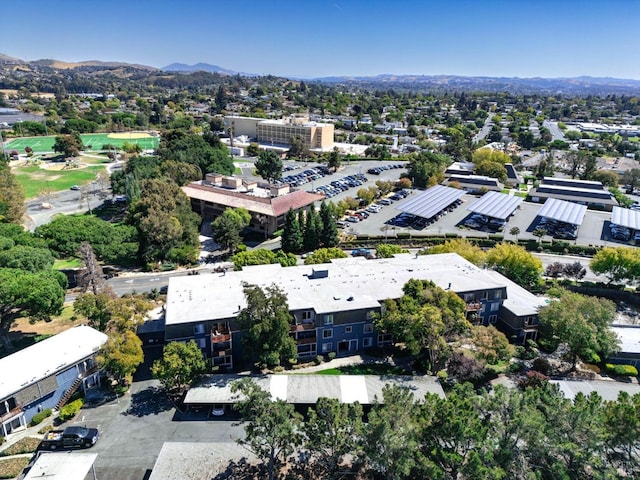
x=150, y=401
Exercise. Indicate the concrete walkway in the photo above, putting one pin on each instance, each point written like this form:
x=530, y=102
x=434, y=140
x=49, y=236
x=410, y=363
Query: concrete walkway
x=345, y=362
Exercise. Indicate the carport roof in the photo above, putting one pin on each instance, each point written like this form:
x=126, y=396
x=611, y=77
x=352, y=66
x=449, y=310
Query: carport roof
x=496, y=205
x=430, y=202
x=62, y=466
x=563, y=211
x=626, y=217
x=306, y=389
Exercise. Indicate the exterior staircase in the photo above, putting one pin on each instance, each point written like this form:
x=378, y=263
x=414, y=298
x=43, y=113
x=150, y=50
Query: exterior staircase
x=70, y=391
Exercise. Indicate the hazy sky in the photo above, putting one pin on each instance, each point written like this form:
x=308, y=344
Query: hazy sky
x=312, y=38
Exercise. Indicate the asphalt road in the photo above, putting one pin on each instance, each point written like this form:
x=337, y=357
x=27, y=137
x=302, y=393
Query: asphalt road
x=556, y=133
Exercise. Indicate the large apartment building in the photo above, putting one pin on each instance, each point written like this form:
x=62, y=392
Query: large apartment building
x=333, y=305
x=280, y=132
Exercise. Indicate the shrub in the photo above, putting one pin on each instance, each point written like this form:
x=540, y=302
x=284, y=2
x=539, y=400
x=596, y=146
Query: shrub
x=319, y=359
x=70, y=410
x=45, y=429
x=541, y=365
x=278, y=369
x=622, y=370
x=331, y=355
x=1, y=440
x=39, y=417
x=514, y=367
x=533, y=379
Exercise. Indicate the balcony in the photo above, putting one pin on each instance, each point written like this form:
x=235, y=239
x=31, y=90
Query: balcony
x=218, y=337
x=11, y=413
x=305, y=341
x=301, y=327
x=474, y=306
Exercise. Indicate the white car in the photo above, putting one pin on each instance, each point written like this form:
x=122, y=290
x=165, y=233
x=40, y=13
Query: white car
x=217, y=410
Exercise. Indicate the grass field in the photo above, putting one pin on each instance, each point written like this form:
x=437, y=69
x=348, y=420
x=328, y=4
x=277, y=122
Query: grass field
x=96, y=140
x=33, y=178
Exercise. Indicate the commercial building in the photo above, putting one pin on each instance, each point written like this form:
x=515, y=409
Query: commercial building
x=591, y=194
x=46, y=374
x=474, y=183
x=315, y=136
x=267, y=205
x=333, y=305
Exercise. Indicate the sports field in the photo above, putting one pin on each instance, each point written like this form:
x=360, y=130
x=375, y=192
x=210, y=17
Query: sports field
x=96, y=140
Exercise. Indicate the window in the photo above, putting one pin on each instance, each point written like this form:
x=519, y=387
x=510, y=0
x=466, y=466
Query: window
x=469, y=297
x=327, y=347
x=384, y=338
x=198, y=329
x=495, y=307
x=328, y=333
x=498, y=295
x=367, y=342
x=485, y=295
x=493, y=318
x=348, y=329
x=528, y=321
x=306, y=315
x=328, y=319
x=368, y=328
x=201, y=342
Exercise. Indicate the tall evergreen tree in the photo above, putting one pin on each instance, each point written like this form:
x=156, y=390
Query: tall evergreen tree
x=312, y=230
x=329, y=234
x=292, y=234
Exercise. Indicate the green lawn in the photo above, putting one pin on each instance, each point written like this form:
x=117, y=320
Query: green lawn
x=96, y=140
x=34, y=179
x=61, y=264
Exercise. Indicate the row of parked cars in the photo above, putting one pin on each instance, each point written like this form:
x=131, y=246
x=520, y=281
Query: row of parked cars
x=557, y=229
x=306, y=176
x=418, y=223
x=484, y=223
x=382, y=168
x=341, y=185
x=624, y=234
x=373, y=208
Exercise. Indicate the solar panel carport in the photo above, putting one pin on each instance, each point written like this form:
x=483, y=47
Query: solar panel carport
x=563, y=211
x=496, y=205
x=626, y=217
x=432, y=201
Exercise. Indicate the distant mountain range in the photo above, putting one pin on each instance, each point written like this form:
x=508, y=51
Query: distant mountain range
x=550, y=86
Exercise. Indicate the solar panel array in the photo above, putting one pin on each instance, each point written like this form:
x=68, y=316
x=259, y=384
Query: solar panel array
x=496, y=205
x=431, y=201
x=563, y=211
x=626, y=217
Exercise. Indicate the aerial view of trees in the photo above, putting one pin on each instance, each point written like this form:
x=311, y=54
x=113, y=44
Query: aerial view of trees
x=269, y=166
x=228, y=226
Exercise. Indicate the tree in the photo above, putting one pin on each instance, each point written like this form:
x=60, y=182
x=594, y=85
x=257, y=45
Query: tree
x=386, y=250
x=515, y=231
x=262, y=256
x=25, y=294
x=539, y=233
x=269, y=166
x=272, y=428
x=181, y=364
x=622, y=424
x=92, y=277
x=582, y=323
x=12, y=205
x=227, y=227
x=68, y=145
x=515, y=263
x=426, y=168
x=95, y=307
x=554, y=270
x=298, y=149
x=292, y=233
x=312, y=229
x=27, y=258
x=329, y=234
x=253, y=150
x=617, y=263
x=423, y=319
x=332, y=432
x=574, y=270
x=265, y=324
x=221, y=99
x=631, y=178
x=324, y=255
x=180, y=172
x=463, y=247
x=491, y=345
x=545, y=168
x=391, y=436
x=121, y=355
x=334, y=160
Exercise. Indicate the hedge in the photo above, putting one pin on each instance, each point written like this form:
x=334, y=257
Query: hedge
x=622, y=370
x=39, y=417
x=70, y=410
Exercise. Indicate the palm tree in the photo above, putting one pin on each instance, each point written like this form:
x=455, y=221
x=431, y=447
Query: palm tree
x=515, y=231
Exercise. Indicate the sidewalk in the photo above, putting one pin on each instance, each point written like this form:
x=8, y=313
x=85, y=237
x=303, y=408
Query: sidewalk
x=345, y=362
x=27, y=432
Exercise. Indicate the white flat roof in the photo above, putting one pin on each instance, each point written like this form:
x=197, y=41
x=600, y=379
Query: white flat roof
x=351, y=284
x=563, y=211
x=428, y=203
x=608, y=390
x=47, y=357
x=62, y=466
x=306, y=389
x=626, y=217
x=496, y=205
x=629, y=338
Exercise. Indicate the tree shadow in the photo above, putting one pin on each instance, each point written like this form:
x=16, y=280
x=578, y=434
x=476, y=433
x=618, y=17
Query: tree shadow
x=150, y=401
x=240, y=470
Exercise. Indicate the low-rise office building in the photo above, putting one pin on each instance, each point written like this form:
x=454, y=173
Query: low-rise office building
x=474, y=183
x=333, y=305
x=267, y=204
x=46, y=374
x=589, y=193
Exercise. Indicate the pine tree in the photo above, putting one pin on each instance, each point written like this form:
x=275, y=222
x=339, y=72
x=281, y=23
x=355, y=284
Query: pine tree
x=312, y=230
x=329, y=234
x=291, y=235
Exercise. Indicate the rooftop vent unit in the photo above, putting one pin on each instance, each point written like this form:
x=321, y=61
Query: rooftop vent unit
x=320, y=273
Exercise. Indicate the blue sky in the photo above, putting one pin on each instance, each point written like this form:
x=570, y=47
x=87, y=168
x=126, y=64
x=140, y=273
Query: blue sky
x=313, y=38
